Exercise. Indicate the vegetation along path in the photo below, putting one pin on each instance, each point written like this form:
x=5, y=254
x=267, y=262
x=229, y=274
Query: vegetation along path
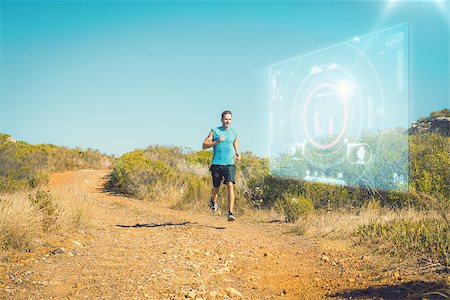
x=136, y=250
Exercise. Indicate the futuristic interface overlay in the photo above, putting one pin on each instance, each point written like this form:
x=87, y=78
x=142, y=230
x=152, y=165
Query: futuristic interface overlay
x=339, y=115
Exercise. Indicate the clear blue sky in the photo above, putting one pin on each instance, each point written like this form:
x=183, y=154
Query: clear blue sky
x=123, y=75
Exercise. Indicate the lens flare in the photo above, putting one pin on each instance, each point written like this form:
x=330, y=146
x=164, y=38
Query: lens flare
x=345, y=88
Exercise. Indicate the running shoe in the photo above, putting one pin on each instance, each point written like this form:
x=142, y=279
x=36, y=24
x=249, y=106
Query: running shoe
x=231, y=216
x=213, y=204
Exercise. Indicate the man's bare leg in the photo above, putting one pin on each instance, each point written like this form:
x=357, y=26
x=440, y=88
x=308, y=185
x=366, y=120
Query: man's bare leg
x=214, y=193
x=230, y=186
x=213, y=201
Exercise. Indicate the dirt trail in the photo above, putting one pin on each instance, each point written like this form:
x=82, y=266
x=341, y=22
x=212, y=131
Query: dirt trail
x=202, y=258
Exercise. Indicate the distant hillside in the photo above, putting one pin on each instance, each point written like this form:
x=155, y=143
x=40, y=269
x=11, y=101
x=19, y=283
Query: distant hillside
x=25, y=165
x=438, y=122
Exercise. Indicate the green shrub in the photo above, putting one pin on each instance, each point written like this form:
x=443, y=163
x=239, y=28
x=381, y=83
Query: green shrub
x=203, y=157
x=197, y=192
x=294, y=206
x=430, y=166
x=44, y=202
x=323, y=196
x=401, y=238
x=136, y=175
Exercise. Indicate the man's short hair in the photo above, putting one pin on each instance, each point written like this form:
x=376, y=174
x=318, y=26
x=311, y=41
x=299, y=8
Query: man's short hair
x=226, y=113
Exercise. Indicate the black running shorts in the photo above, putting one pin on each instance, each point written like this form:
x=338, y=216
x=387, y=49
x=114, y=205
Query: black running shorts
x=225, y=172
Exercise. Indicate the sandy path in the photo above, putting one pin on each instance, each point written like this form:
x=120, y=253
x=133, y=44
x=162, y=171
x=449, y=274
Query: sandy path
x=202, y=259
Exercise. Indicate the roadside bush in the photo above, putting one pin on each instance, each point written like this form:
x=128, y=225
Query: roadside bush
x=203, y=157
x=428, y=238
x=25, y=166
x=294, y=206
x=45, y=204
x=430, y=169
x=196, y=193
x=323, y=196
x=168, y=155
x=137, y=175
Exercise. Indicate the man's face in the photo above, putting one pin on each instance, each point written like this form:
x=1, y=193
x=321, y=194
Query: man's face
x=226, y=120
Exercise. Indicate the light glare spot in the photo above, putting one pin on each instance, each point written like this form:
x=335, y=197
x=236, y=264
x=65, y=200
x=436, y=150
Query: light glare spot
x=345, y=88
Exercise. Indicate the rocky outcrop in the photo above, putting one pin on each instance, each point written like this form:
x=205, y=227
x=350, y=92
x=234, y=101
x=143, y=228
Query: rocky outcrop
x=11, y=139
x=440, y=125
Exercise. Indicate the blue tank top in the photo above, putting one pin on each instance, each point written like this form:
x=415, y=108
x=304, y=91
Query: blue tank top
x=224, y=151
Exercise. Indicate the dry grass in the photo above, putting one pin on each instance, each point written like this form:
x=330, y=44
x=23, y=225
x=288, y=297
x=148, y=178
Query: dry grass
x=195, y=169
x=344, y=223
x=403, y=233
x=74, y=213
x=20, y=223
x=26, y=219
x=169, y=193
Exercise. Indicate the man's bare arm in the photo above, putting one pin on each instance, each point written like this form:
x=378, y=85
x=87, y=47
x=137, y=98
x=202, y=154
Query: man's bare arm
x=236, y=148
x=208, y=142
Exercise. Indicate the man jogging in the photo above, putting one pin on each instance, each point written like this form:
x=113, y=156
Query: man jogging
x=226, y=149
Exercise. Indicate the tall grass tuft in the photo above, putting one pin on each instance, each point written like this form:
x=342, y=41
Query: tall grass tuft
x=20, y=223
x=24, y=219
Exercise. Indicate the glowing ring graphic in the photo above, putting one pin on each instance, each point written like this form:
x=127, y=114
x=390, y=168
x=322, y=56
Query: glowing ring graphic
x=341, y=133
